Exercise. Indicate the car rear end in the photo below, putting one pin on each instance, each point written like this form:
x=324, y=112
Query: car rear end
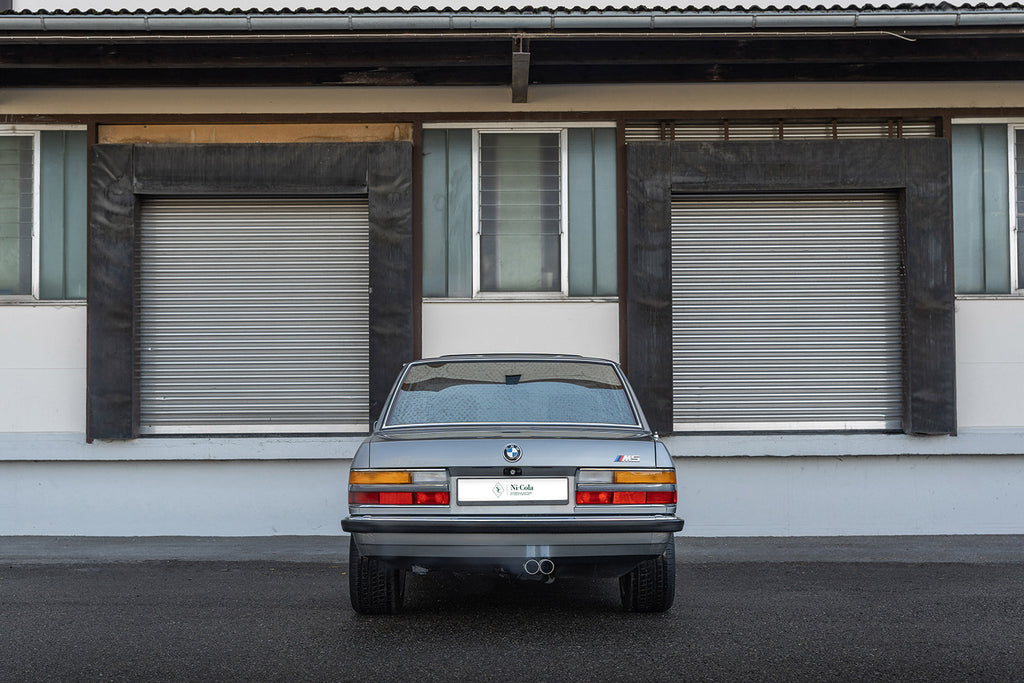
x=528, y=467
x=476, y=510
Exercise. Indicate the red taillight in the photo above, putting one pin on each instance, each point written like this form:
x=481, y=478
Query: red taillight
x=399, y=497
x=396, y=497
x=431, y=498
x=625, y=497
x=661, y=497
x=364, y=498
x=629, y=498
x=593, y=497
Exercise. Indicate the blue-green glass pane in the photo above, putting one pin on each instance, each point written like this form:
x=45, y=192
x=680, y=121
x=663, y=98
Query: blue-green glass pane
x=460, y=213
x=606, y=214
x=581, y=211
x=593, y=220
x=1019, y=180
x=980, y=209
x=62, y=214
x=447, y=213
x=997, y=209
x=75, y=216
x=968, y=210
x=435, y=213
x=51, y=215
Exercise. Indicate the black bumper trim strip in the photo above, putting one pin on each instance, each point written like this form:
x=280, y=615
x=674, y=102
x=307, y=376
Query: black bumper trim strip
x=510, y=525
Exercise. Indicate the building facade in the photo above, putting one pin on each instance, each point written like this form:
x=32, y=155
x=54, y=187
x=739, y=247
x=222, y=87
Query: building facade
x=223, y=232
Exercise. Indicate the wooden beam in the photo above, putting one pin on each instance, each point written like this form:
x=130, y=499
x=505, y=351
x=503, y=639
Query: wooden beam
x=255, y=133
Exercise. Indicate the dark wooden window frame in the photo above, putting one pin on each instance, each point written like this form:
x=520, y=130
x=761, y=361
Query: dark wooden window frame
x=918, y=170
x=120, y=175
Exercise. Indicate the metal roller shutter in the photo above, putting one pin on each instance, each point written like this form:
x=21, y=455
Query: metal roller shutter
x=787, y=312
x=253, y=315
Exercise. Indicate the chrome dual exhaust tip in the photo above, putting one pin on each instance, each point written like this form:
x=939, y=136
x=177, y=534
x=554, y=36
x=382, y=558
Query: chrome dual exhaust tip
x=543, y=566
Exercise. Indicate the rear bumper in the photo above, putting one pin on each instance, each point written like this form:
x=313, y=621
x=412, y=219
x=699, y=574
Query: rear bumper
x=588, y=546
x=541, y=524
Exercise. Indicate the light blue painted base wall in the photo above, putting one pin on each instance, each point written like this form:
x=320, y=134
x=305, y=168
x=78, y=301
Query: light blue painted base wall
x=291, y=486
x=852, y=495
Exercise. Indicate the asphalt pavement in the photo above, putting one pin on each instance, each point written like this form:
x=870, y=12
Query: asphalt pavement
x=848, y=609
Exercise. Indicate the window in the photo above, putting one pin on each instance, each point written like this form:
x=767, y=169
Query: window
x=1017, y=242
x=519, y=236
x=17, y=214
x=988, y=207
x=498, y=205
x=511, y=392
x=42, y=213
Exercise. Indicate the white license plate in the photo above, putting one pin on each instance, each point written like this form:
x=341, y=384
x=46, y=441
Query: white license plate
x=512, y=490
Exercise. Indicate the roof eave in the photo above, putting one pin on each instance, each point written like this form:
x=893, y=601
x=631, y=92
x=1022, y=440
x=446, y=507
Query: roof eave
x=462, y=21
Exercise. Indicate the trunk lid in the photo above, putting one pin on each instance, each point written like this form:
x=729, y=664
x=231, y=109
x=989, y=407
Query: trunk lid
x=539, y=449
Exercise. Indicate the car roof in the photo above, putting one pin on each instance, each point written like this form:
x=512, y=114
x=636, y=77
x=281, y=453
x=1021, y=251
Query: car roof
x=513, y=357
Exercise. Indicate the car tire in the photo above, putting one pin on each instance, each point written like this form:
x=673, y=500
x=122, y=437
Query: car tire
x=373, y=587
x=651, y=585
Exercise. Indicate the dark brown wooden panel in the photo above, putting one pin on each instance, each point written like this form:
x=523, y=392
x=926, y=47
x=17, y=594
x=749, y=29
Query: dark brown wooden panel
x=917, y=169
x=123, y=173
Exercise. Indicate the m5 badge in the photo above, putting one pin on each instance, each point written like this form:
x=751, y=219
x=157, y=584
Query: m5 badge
x=628, y=458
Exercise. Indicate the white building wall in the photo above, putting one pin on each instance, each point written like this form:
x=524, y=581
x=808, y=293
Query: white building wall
x=990, y=362
x=53, y=483
x=42, y=368
x=585, y=328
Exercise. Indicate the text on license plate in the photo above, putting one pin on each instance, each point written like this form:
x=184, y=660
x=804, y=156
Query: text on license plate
x=512, y=490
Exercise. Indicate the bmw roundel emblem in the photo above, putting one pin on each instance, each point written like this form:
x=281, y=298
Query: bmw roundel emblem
x=513, y=452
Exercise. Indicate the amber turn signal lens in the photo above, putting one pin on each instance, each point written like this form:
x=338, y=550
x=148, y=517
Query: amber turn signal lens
x=645, y=477
x=379, y=477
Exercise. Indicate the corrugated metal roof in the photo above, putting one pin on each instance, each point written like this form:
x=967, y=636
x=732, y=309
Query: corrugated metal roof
x=562, y=18
x=526, y=10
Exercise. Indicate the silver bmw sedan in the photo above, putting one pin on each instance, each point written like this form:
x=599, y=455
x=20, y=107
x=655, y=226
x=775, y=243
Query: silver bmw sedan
x=530, y=466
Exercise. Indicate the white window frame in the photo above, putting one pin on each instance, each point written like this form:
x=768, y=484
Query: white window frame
x=1011, y=132
x=563, y=210
x=18, y=131
x=1012, y=126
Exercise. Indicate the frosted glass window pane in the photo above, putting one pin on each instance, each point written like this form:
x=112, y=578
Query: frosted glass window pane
x=520, y=212
x=525, y=263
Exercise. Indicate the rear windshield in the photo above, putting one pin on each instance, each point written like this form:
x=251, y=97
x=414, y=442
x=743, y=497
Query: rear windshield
x=511, y=392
